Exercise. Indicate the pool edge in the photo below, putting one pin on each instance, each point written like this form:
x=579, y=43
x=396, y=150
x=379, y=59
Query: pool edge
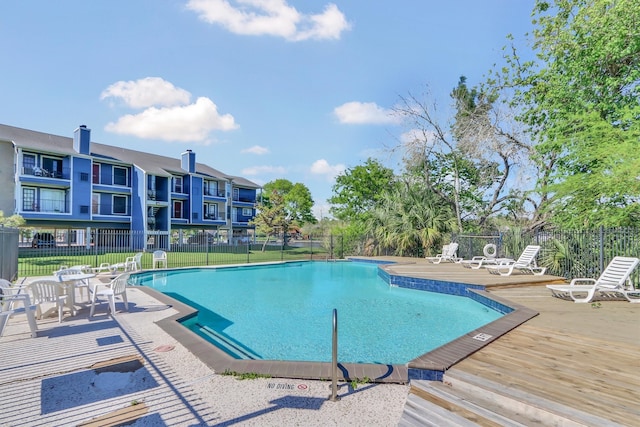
x=429, y=366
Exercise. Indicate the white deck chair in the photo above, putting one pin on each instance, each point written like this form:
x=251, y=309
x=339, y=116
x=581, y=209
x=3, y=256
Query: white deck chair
x=449, y=253
x=615, y=279
x=117, y=287
x=526, y=263
x=489, y=258
x=104, y=267
x=48, y=291
x=159, y=259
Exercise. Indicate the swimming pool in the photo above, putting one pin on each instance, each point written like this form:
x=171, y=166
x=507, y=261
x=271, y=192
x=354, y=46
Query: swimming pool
x=284, y=311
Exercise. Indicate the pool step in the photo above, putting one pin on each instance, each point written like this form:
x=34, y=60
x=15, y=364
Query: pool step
x=463, y=399
x=236, y=350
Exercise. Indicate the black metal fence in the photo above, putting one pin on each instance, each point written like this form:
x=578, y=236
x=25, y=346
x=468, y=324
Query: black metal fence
x=569, y=254
x=565, y=253
x=114, y=246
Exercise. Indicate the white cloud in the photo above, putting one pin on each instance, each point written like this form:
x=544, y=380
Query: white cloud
x=271, y=17
x=257, y=170
x=364, y=113
x=189, y=123
x=256, y=149
x=322, y=167
x=147, y=92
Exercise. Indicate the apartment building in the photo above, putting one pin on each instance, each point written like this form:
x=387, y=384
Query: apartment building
x=57, y=182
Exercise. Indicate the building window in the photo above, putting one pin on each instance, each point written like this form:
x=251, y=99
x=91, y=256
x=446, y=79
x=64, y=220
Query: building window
x=29, y=199
x=96, y=173
x=177, y=209
x=52, y=200
x=236, y=194
x=247, y=212
x=119, y=205
x=177, y=184
x=211, y=188
x=120, y=176
x=95, y=204
x=210, y=211
x=28, y=163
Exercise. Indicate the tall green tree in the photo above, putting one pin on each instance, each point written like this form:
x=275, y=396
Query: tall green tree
x=359, y=189
x=580, y=98
x=296, y=198
x=271, y=218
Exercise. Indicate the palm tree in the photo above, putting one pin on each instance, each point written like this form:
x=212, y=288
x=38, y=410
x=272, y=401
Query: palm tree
x=409, y=219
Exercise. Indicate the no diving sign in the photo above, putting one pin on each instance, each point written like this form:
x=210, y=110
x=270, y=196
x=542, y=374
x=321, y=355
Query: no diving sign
x=287, y=386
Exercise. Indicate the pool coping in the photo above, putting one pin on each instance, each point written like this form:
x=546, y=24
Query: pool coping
x=429, y=366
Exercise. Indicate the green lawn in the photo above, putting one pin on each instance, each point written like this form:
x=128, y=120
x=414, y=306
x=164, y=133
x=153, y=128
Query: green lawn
x=45, y=262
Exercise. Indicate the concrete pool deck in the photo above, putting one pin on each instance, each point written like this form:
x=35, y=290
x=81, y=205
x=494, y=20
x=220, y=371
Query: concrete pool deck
x=35, y=373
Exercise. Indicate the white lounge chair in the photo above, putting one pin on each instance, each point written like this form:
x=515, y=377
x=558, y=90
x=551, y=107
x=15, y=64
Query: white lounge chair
x=615, y=279
x=159, y=259
x=117, y=287
x=104, y=267
x=489, y=258
x=526, y=263
x=449, y=253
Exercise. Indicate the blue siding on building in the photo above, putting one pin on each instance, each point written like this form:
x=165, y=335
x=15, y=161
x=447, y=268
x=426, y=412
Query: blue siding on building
x=56, y=186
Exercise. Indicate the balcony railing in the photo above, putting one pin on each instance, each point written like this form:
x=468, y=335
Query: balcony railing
x=46, y=206
x=46, y=173
x=213, y=193
x=214, y=217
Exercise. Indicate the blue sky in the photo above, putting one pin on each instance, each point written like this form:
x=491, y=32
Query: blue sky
x=265, y=89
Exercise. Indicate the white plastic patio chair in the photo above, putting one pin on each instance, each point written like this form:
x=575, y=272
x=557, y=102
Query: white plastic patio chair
x=160, y=259
x=134, y=263
x=49, y=291
x=7, y=310
x=615, y=279
x=526, y=263
x=117, y=287
x=7, y=290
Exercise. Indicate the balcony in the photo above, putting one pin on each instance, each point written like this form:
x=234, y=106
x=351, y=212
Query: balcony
x=46, y=173
x=212, y=193
x=214, y=217
x=49, y=206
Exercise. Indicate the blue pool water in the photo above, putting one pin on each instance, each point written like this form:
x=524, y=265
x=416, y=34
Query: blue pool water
x=284, y=312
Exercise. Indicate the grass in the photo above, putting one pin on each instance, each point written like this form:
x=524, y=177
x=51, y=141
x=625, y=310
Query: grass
x=43, y=262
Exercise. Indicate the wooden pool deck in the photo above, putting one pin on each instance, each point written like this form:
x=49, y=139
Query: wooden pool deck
x=584, y=356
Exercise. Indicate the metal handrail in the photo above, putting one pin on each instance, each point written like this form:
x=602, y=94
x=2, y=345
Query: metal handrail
x=334, y=359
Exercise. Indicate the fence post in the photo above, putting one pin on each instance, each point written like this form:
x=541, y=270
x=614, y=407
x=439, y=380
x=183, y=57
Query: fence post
x=601, y=248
